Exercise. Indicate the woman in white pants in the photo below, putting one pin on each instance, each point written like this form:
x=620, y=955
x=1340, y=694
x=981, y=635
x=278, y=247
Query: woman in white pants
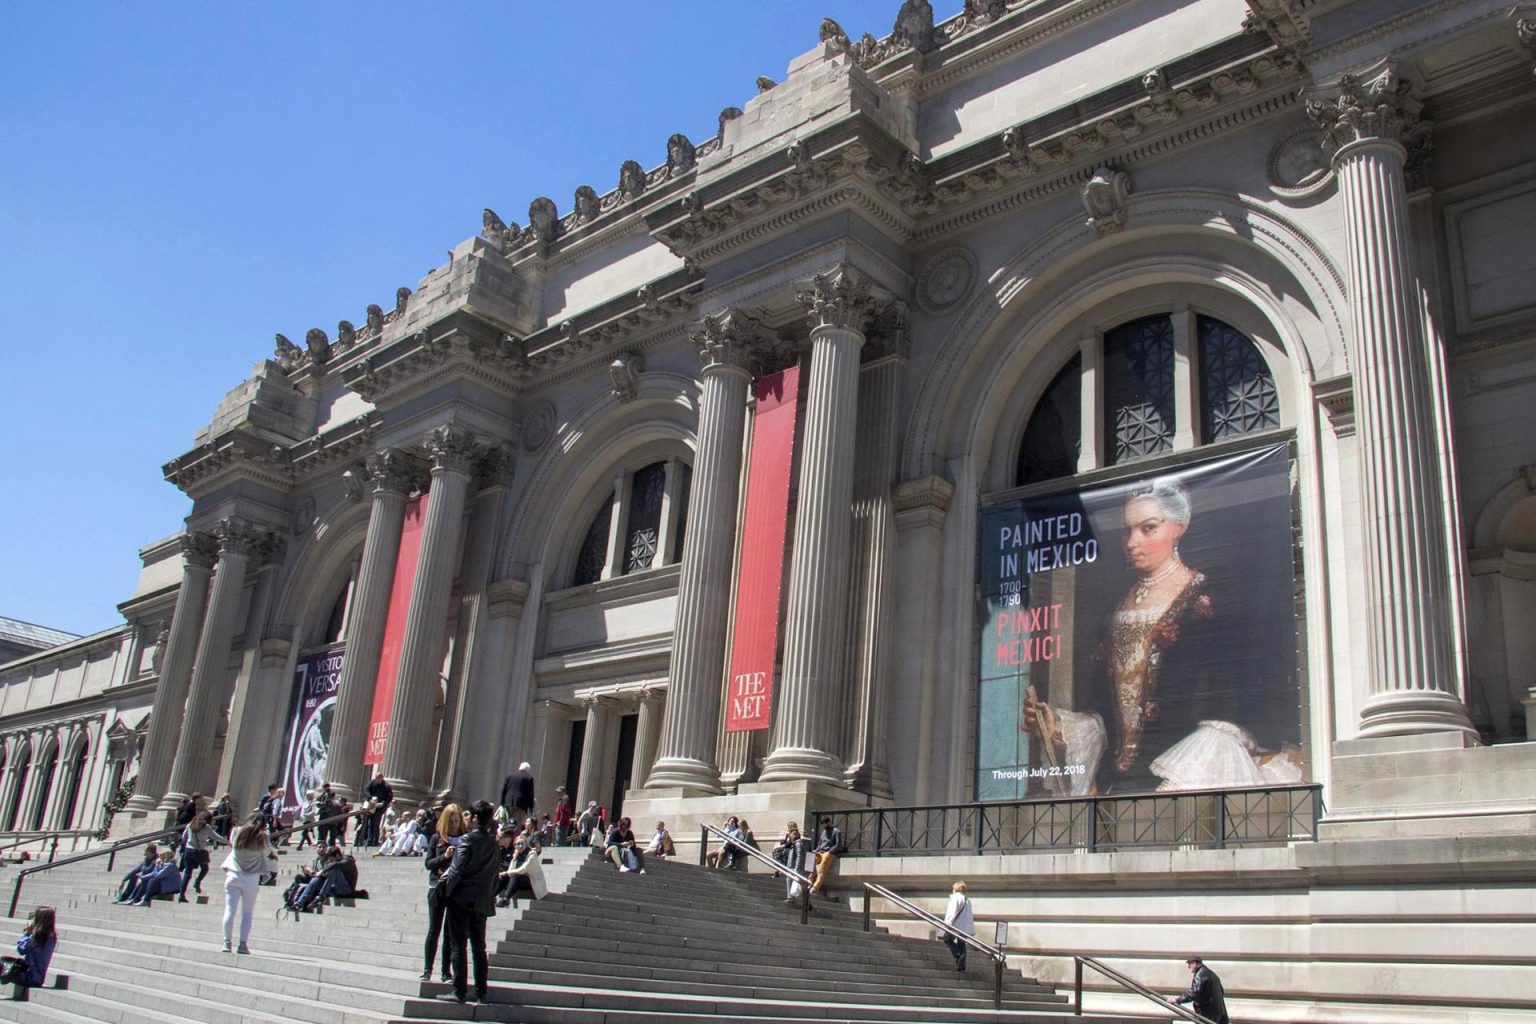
x=250, y=858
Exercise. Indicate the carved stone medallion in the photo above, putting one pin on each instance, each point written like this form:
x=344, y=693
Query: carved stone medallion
x=538, y=427
x=945, y=279
x=1299, y=165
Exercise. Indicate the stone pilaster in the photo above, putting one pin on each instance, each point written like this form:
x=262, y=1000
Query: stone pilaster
x=589, y=783
x=874, y=550
x=392, y=473
x=1412, y=682
x=259, y=707
x=647, y=735
x=198, y=553
x=411, y=740
x=193, y=770
x=816, y=625
x=729, y=345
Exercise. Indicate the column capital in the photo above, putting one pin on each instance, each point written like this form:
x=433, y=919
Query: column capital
x=1375, y=107
x=841, y=297
x=452, y=449
x=493, y=465
x=732, y=340
x=238, y=536
x=393, y=471
x=200, y=550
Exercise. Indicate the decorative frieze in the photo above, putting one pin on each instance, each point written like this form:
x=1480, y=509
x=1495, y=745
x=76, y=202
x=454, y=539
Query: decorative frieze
x=1104, y=197
x=625, y=372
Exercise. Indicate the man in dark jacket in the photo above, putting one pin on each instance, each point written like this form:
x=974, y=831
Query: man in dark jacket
x=517, y=794
x=468, y=892
x=380, y=796
x=1205, y=992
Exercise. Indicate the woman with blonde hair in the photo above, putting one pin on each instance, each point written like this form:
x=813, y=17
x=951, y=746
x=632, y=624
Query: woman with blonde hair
x=251, y=857
x=449, y=834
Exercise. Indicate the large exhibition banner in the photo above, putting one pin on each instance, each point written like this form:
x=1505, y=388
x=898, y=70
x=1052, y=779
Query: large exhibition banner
x=394, y=629
x=1142, y=635
x=755, y=637
x=315, y=680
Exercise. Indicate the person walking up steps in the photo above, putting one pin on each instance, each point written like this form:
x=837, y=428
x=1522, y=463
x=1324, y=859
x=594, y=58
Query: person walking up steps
x=250, y=858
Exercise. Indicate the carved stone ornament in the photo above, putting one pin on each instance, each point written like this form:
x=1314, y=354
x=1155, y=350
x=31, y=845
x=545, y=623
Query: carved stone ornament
x=544, y=219
x=493, y=466
x=728, y=114
x=839, y=298
x=1299, y=165
x=1104, y=198
x=945, y=279
x=625, y=372
x=764, y=83
x=199, y=549
x=402, y=297
x=681, y=155
x=538, y=427
x=984, y=10
x=732, y=339
x=1525, y=31
x=354, y=482
x=1285, y=25
x=497, y=232
x=346, y=335
x=1378, y=108
x=587, y=204
x=833, y=35
x=289, y=356
x=319, y=346
x=631, y=180
x=914, y=26
x=237, y=536
x=392, y=471
x=890, y=334
x=451, y=447
x=303, y=516
x=375, y=318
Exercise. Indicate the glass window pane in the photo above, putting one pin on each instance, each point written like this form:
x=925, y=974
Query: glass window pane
x=684, y=488
x=643, y=529
x=594, y=549
x=1138, y=388
x=1237, y=391
x=1054, y=435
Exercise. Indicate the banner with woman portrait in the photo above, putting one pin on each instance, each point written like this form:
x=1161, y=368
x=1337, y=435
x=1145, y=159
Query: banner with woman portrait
x=316, y=680
x=1142, y=635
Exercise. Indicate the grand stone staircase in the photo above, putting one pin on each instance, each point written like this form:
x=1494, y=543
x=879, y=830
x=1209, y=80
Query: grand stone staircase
x=678, y=945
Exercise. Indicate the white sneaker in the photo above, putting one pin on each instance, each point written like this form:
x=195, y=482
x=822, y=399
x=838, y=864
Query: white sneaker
x=623, y=871
x=226, y=947
x=642, y=871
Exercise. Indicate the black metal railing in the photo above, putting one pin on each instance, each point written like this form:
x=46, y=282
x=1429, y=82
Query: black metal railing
x=730, y=843
x=1199, y=819
x=1128, y=983
x=998, y=957
x=48, y=840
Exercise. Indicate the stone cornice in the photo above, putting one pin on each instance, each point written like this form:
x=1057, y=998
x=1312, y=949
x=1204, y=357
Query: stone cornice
x=240, y=454
x=459, y=346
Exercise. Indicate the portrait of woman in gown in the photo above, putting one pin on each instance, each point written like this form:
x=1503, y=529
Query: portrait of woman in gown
x=1172, y=696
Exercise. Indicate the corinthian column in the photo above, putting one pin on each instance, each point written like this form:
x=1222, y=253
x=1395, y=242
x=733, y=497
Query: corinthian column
x=407, y=757
x=193, y=767
x=1413, y=686
x=392, y=473
x=811, y=696
x=198, y=552
x=729, y=344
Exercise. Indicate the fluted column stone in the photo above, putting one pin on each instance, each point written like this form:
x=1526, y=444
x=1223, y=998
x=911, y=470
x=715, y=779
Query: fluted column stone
x=411, y=740
x=193, y=770
x=392, y=473
x=593, y=749
x=811, y=694
x=1403, y=497
x=647, y=735
x=198, y=550
x=729, y=345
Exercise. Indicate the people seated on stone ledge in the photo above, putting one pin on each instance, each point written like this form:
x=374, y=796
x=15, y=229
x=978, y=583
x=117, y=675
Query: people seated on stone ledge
x=794, y=852
x=150, y=862
x=661, y=842
x=724, y=855
x=521, y=871
x=588, y=823
x=164, y=879
x=337, y=876
x=621, y=848
x=407, y=838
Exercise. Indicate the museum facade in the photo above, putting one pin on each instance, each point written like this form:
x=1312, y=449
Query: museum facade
x=1066, y=398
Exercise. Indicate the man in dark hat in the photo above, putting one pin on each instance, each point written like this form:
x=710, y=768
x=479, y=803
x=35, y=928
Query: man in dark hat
x=1205, y=992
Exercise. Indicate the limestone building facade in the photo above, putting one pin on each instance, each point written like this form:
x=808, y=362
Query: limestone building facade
x=690, y=491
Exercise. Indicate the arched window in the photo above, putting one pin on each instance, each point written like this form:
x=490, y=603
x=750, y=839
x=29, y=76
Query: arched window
x=1146, y=411
x=336, y=624
x=76, y=784
x=44, y=787
x=651, y=503
x=23, y=770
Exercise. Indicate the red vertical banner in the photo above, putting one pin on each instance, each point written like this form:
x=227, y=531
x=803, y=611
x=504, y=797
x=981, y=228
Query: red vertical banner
x=394, y=629
x=760, y=582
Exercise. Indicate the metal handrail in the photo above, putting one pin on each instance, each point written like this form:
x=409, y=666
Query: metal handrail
x=44, y=836
x=762, y=858
x=110, y=852
x=999, y=958
x=1079, y=962
x=283, y=833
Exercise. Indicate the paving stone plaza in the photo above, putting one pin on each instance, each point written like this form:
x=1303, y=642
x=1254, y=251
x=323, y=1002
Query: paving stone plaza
x=995, y=430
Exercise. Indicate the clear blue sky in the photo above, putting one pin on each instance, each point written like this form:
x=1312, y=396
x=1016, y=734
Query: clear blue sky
x=180, y=181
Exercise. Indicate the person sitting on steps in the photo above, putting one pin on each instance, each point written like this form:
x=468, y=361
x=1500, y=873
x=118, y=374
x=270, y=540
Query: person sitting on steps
x=622, y=849
x=35, y=948
x=149, y=863
x=162, y=880
x=725, y=854
x=828, y=847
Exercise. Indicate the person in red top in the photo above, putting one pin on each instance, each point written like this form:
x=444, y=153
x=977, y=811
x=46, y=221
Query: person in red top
x=562, y=817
